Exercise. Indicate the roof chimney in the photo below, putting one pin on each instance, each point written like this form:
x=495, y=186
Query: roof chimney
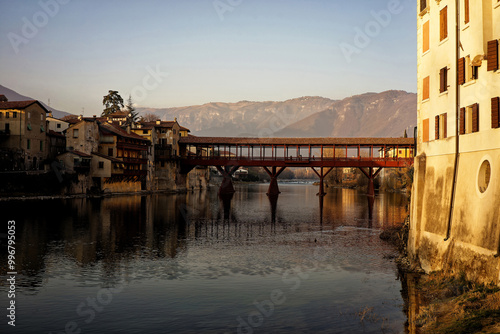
x=3, y=98
x=175, y=119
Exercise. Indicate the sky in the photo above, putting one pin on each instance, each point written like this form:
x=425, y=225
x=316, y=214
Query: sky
x=173, y=53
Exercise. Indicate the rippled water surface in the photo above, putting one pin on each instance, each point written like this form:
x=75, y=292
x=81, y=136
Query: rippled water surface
x=198, y=264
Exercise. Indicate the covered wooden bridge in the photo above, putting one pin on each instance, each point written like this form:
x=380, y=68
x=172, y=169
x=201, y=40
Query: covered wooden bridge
x=227, y=154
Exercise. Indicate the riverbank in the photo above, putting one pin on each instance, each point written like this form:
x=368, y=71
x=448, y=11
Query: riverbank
x=444, y=302
x=453, y=305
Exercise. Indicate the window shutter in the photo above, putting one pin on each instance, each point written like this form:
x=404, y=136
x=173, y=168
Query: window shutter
x=493, y=55
x=425, y=130
x=461, y=71
x=495, y=109
x=426, y=37
x=466, y=4
x=475, y=118
x=443, y=31
x=445, y=125
x=462, y=121
x=443, y=82
x=426, y=91
x=436, y=127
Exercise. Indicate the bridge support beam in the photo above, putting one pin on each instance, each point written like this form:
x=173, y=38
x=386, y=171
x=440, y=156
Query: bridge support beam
x=227, y=172
x=321, y=174
x=273, y=185
x=371, y=176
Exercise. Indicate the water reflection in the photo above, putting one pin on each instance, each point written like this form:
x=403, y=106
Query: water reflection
x=174, y=243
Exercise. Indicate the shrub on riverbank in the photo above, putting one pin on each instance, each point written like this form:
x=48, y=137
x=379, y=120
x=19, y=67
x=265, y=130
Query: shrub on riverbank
x=452, y=304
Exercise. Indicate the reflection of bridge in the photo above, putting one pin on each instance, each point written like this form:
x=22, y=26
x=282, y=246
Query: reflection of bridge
x=227, y=154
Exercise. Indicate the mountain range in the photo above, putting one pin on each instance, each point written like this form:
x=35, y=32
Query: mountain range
x=386, y=114
x=15, y=96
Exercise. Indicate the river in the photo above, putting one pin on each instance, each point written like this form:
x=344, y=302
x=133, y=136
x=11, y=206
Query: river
x=193, y=263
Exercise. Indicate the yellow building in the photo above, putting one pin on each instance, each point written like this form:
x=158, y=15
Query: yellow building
x=455, y=217
x=23, y=128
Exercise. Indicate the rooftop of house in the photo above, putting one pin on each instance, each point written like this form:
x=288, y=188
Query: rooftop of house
x=5, y=104
x=112, y=128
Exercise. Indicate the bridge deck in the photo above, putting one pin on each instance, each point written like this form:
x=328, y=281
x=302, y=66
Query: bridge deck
x=297, y=152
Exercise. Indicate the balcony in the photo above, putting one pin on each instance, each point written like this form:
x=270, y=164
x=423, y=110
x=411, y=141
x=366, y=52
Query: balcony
x=135, y=160
x=127, y=172
x=131, y=146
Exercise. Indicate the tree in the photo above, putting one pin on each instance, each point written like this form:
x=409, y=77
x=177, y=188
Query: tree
x=149, y=118
x=113, y=103
x=130, y=109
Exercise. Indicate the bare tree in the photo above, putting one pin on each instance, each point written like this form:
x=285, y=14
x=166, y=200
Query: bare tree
x=149, y=118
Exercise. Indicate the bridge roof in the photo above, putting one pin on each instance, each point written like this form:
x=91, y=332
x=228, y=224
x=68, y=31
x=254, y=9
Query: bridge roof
x=233, y=141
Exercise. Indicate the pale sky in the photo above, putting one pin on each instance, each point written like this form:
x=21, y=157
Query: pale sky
x=173, y=53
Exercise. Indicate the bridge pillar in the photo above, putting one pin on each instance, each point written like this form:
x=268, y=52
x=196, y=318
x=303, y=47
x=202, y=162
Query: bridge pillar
x=273, y=184
x=321, y=176
x=226, y=186
x=371, y=176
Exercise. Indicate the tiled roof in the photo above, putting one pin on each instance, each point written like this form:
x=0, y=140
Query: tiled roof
x=295, y=141
x=81, y=154
x=163, y=124
x=55, y=134
x=117, y=130
x=20, y=105
x=106, y=157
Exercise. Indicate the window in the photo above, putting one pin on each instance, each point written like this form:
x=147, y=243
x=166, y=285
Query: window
x=28, y=144
x=58, y=126
x=423, y=5
x=29, y=114
x=41, y=117
x=492, y=55
x=174, y=131
x=75, y=133
x=41, y=145
x=110, y=152
x=466, y=71
x=466, y=11
x=425, y=130
x=7, y=114
x=425, y=44
x=14, y=114
x=443, y=80
x=101, y=164
x=1, y=114
x=425, y=90
x=495, y=112
x=441, y=124
x=443, y=23
x=144, y=132
x=469, y=119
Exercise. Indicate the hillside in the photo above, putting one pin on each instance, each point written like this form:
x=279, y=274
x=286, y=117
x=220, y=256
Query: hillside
x=243, y=118
x=15, y=96
x=385, y=114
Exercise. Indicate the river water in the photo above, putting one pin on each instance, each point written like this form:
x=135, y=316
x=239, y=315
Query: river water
x=194, y=263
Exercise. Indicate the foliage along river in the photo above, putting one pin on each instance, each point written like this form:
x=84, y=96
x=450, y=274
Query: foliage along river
x=193, y=264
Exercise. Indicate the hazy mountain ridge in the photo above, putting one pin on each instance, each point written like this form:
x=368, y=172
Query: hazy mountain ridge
x=244, y=118
x=15, y=96
x=385, y=114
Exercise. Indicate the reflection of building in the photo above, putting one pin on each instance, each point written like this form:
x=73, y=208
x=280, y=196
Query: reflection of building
x=23, y=129
x=457, y=168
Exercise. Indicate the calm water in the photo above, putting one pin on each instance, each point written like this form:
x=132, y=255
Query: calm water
x=194, y=264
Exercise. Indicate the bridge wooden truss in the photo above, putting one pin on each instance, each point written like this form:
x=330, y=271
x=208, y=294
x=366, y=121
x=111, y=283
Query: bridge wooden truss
x=228, y=154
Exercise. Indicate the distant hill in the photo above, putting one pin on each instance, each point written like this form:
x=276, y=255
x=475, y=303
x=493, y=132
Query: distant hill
x=244, y=118
x=15, y=96
x=385, y=114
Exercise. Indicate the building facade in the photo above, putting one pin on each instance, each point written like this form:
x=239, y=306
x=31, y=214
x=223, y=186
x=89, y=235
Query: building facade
x=455, y=214
x=23, y=129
